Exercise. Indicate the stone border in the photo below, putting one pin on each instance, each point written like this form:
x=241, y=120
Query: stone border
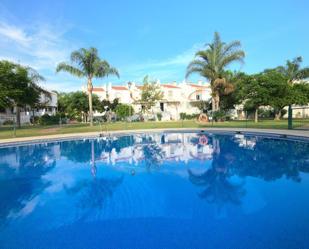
x=292, y=134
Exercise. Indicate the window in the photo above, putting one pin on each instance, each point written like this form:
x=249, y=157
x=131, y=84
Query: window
x=198, y=97
x=162, y=107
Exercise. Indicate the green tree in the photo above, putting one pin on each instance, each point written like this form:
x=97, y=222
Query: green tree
x=87, y=63
x=75, y=104
x=151, y=93
x=110, y=105
x=19, y=87
x=211, y=64
x=123, y=111
x=300, y=94
x=279, y=91
x=7, y=79
x=295, y=75
x=271, y=88
x=254, y=93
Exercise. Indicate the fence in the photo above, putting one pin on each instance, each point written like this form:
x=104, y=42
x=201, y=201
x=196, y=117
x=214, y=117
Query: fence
x=299, y=117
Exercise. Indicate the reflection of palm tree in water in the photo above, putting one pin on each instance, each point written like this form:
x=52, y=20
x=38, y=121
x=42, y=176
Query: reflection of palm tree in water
x=92, y=163
x=92, y=193
x=219, y=189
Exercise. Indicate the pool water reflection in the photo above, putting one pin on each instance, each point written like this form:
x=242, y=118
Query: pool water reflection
x=173, y=190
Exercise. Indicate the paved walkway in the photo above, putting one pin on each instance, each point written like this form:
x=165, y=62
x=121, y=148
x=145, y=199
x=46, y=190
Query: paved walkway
x=21, y=140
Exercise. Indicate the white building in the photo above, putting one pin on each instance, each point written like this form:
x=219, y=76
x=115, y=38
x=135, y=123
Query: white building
x=48, y=106
x=176, y=147
x=177, y=97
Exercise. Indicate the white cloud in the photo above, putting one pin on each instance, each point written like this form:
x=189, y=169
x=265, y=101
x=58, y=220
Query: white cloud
x=43, y=46
x=40, y=46
x=168, y=69
x=14, y=34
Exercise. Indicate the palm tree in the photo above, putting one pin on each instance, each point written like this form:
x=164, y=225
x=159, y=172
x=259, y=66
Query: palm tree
x=293, y=71
x=295, y=74
x=87, y=63
x=211, y=63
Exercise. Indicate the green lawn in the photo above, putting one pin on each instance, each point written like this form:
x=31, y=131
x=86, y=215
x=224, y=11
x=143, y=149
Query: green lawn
x=7, y=131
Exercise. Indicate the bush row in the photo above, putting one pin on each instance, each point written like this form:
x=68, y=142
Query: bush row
x=184, y=116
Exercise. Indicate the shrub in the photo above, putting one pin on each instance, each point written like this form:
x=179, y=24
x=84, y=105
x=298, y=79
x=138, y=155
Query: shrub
x=34, y=120
x=8, y=122
x=123, y=111
x=220, y=116
x=49, y=120
x=184, y=116
x=266, y=113
x=159, y=116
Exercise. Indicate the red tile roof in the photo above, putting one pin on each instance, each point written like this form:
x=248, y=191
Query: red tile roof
x=170, y=86
x=198, y=86
x=119, y=88
x=98, y=89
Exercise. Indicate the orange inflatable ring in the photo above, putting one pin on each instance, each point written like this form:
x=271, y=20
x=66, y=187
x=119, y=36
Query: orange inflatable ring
x=203, y=118
x=203, y=140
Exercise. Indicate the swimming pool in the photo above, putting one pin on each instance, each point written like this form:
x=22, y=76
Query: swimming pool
x=156, y=190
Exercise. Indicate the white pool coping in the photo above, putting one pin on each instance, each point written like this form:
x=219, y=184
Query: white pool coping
x=50, y=138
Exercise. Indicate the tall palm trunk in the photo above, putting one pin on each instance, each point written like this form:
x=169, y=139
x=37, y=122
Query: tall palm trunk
x=90, y=101
x=215, y=101
x=213, y=104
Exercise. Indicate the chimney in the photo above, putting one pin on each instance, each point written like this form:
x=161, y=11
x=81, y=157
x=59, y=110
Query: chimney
x=129, y=85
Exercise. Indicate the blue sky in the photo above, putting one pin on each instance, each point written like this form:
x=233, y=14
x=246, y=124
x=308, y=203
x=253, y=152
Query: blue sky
x=155, y=38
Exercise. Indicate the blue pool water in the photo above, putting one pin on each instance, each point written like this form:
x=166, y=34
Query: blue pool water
x=173, y=190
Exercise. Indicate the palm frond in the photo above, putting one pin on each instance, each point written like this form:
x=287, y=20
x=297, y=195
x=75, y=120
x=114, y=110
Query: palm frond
x=197, y=63
x=217, y=39
x=303, y=74
x=230, y=48
x=292, y=70
x=113, y=71
x=70, y=69
x=103, y=69
x=203, y=54
x=193, y=70
x=77, y=57
x=237, y=56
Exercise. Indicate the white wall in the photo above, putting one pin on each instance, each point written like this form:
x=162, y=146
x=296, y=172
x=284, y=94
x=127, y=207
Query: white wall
x=177, y=98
